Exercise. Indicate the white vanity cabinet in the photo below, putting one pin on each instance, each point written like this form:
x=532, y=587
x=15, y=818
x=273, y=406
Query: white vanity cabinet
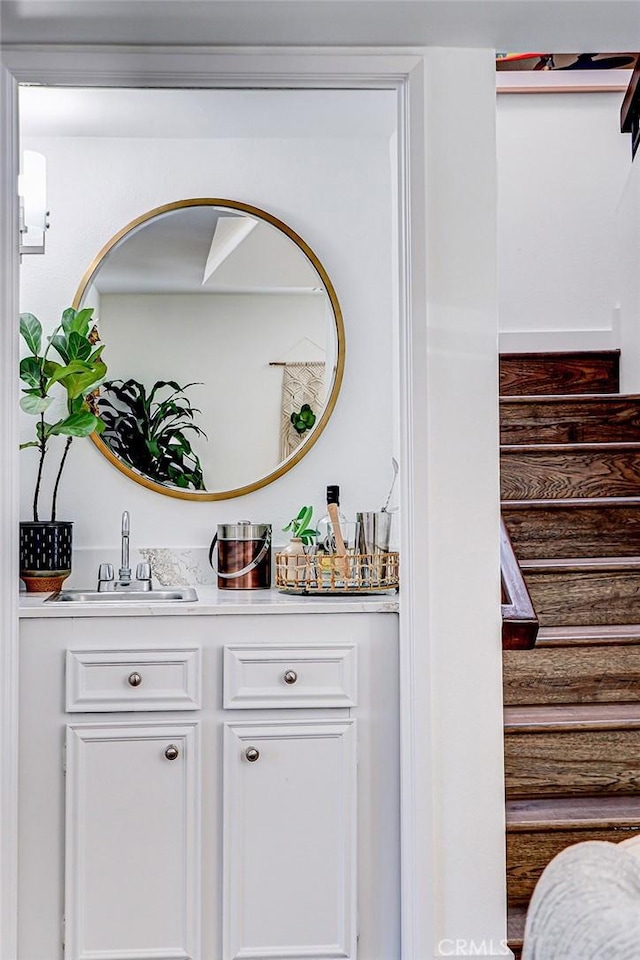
x=132, y=841
x=290, y=840
x=290, y=856
x=209, y=786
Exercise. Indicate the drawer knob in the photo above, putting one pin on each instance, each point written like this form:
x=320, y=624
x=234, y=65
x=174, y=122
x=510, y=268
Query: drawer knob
x=290, y=676
x=252, y=754
x=135, y=679
x=172, y=752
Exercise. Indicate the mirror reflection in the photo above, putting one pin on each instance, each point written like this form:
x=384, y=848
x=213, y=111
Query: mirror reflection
x=224, y=344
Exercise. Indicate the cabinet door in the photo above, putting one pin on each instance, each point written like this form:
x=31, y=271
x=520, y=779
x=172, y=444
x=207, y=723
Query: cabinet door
x=289, y=840
x=132, y=842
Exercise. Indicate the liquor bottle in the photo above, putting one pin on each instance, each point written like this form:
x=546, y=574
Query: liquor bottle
x=326, y=539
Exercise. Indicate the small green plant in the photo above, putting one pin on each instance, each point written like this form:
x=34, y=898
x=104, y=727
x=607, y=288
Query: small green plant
x=299, y=526
x=304, y=419
x=150, y=434
x=77, y=376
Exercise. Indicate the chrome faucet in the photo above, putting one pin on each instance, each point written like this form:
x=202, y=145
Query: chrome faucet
x=106, y=581
x=124, y=573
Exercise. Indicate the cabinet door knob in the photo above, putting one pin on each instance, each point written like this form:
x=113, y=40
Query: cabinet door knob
x=290, y=676
x=134, y=679
x=252, y=754
x=172, y=752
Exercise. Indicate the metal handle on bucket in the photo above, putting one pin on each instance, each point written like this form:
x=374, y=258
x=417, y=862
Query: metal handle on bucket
x=261, y=554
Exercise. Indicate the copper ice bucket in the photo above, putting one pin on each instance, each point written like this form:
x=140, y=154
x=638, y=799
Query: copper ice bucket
x=244, y=555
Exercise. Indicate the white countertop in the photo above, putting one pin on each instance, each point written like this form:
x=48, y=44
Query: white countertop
x=212, y=601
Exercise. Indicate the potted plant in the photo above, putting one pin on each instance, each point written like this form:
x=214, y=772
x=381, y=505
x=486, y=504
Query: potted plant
x=300, y=528
x=66, y=367
x=303, y=419
x=294, y=554
x=150, y=433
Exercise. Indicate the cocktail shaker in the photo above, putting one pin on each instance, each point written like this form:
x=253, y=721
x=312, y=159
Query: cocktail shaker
x=373, y=531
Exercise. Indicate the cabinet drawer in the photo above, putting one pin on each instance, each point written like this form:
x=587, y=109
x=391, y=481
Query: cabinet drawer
x=102, y=681
x=300, y=675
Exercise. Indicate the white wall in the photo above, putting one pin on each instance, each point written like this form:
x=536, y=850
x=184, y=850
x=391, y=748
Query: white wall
x=463, y=491
x=336, y=194
x=562, y=168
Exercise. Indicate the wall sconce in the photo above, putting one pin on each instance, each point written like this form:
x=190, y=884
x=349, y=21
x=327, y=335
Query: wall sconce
x=34, y=216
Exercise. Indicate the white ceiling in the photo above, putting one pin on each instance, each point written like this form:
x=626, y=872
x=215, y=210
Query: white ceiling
x=205, y=114
x=555, y=25
x=169, y=255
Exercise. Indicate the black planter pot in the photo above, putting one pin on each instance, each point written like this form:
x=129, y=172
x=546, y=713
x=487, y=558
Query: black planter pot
x=45, y=554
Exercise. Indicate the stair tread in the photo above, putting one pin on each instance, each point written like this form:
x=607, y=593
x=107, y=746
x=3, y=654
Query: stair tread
x=576, y=398
x=571, y=502
x=599, y=634
x=586, y=564
x=516, y=920
x=572, y=813
x=590, y=447
x=592, y=716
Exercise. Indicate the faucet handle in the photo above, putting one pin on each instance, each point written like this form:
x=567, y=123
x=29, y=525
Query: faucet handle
x=143, y=571
x=105, y=576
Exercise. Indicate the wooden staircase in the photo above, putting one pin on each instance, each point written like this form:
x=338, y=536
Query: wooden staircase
x=570, y=477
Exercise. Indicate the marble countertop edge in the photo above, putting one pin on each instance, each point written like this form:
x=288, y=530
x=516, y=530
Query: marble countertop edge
x=212, y=602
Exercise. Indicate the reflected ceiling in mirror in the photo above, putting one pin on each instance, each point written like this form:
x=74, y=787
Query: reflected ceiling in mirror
x=224, y=344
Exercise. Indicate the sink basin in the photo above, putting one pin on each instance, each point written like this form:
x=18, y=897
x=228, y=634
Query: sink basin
x=124, y=596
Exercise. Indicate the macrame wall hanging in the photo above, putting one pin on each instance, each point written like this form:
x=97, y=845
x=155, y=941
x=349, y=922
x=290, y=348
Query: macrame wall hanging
x=302, y=382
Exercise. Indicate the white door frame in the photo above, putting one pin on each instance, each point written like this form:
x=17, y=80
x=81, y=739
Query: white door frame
x=407, y=73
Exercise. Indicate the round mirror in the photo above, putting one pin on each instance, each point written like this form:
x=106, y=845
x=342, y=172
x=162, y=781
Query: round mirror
x=224, y=344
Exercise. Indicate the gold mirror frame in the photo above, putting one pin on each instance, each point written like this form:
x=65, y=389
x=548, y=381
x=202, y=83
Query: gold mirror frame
x=308, y=443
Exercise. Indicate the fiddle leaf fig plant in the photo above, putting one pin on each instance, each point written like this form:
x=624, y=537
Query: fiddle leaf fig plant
x=299, y=526
x=65, y=368
x=150, y=433
x=304, y=419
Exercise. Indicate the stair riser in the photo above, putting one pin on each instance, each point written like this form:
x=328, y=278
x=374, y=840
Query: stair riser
x=528, y=853
x=544, y=475
x=527, y=374
x=600, y=674
x=572, y=763
x=607, y=420
x=582, y=598
x=607, y=531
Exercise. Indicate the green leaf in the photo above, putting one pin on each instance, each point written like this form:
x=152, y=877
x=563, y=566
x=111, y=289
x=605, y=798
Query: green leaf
x=79, y=385
x=31, y=443
x=62, y=372
x=49, y=367
x=305, y=516
x=76, y=321
x=68, y=316
x=78, y=424
x=59, y=343
x=35, y=405
x=82, y=321
x=78, y=346
x=30, y=369
x=31, y=331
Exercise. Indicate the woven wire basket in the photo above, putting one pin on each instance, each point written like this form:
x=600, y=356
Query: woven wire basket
x=332, y=574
